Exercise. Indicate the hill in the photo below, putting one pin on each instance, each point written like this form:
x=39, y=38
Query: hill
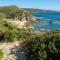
x=16, y=15
x=13, y=12
x=32, y=10
x=22, y=44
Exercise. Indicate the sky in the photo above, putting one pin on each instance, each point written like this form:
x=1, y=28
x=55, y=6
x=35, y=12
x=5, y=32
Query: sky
x=41, y=4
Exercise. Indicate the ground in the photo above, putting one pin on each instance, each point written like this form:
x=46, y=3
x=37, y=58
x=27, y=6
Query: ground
x=11, y=50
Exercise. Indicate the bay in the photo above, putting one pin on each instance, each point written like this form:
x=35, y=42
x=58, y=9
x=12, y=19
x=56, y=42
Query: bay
x=51, y=21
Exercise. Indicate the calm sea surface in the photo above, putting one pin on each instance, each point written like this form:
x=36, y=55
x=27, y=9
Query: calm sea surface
x=51, y=21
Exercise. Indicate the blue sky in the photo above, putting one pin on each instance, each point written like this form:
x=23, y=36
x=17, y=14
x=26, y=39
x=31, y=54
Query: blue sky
x=41, y=4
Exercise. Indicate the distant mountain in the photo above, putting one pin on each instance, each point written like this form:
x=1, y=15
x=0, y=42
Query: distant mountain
x=32, y=10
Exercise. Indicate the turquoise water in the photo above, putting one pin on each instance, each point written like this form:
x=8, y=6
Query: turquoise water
x=51, y=21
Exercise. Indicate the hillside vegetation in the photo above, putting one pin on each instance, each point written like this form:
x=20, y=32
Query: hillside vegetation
x=12, y=12
x=39, y=46
x=10, y=31
x=1, y=54
x=45, y=47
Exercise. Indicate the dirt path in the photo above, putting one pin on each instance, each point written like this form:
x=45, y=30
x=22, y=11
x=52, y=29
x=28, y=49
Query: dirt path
x=9, y=54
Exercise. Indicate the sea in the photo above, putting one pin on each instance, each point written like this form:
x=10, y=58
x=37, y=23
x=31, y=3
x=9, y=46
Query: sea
x=51, y=21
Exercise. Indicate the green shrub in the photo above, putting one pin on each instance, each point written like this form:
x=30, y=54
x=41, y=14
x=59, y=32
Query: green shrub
x=2, y=15
x=8, y=36
x=1, y=54
x=45, y=47
x=10, y=32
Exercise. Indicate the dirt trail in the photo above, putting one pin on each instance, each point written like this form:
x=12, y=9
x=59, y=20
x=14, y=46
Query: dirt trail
x=7, y=49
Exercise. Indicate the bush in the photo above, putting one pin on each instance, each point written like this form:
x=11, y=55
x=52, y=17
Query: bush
x=8, y=32
x=1, y=54
x=45, y=47
x=9, y=36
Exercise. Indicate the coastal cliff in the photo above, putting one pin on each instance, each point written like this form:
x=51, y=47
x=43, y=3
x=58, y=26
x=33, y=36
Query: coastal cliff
x=16, y=16
x=12, y=19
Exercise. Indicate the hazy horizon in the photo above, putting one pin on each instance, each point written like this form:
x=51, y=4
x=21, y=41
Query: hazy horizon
x=44, y=4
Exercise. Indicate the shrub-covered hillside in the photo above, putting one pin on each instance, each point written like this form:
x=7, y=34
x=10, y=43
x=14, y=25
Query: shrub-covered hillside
x=45, y=47
x=39, y=46
x=14, y=12
x=9, y=32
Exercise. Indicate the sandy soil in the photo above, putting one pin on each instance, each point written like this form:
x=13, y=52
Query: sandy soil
x=19, y=24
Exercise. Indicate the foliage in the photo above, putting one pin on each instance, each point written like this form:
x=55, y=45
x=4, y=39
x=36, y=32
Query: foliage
x=12, y=12
x=1, y=54
x=9, y=32
x=2, y=15
x=8, y=11
x=45, y=47
x=41, y=47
